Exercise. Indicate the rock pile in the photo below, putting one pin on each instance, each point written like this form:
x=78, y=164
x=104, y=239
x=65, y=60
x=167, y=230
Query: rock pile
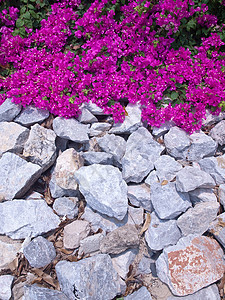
x=98, y=211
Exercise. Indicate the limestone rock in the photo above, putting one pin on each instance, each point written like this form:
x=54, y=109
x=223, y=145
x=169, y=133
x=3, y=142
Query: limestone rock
x=163, y=129
x=152, y=178
x=66, y=206
x=218, y=133
x=215, y=166
x=221, y=194
x=212, y=119
x=94, y=109
x=202, y=195
x=8, y=251
x=102, y=158
x=5, y=284
x=34, y=292
x=9, y=110
x=217, y=228
x=90, y=244
x=74, y=233
x=86, y=116
x=31, y=115
x=139, y=195
x=99, y=128
x=142, y=294
x=167, y=167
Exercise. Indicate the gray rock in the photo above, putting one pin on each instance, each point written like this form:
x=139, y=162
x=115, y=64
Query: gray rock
x=212, y=119
x=102, y=158
x=218, y=133
x=94, y=109
x=34, y=292
x=209, y=293
x=167, y=167
x=189, y=179
x=26, y=218
x=217, y=228
x=86, y=116
x=132, y=120
x=90, y=244
x=215, y=166
x=144, y=266
x=164, y=128
x=99, y=128
x=5, y=284
x=177, y=143
x=16, y=176
x=9, y=110
x=135, y=215
x=8, y=251
x=120, y=239
x=196, y=220
x=142, y=294
x=167, y=202
x=161, y=233
x=202, y=145
x=35, y=196
x=202, y=195
x=40, y=147
x=139, y=195
x=74, y=233
x=90, y=278
x=65, y=206
x=39, y=252
x=141, y=152
x=13, y=137
x=31, y=115
x=103, y=189
x=71, y=129
x=152, y=178
x=221, y=194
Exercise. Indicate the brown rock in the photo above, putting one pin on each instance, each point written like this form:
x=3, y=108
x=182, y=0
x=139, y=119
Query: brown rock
x=74, y=233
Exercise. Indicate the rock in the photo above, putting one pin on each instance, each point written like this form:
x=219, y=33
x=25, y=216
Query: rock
x=135, y=215
x=31, y=115
x=215, y=166
x=13, y=137
x=16, y=176
x=18, y=288
x=189, y=179
x=99, y=128
x=167, y=167
x=167, y=202
x=74, y=233
x=161, y=233
x=5, y=284
x=132, y=120
x=26, y=218
x=196, y=220
x=217, y=228
x=164, y=128
x=90, y=278
x=102, y=158
x=9, y=110
x=71, y=129
x=142, y=294
x=121, y=262
x=212, y=119
x=8, y=251
x=94, y=109
x=152, y=178
x=90, y=244
x=177, y=143
x=120, y=239
x=66, y=165
x=221, y=194
x=218, y=133
x=202, y=195
x=144, y=266
x=34, y=292
x=202, y=145
x=103, y=189
x=139, y=195
x=39, y=252
x=86, y=116
x=35, y=196
x=209, y=293
x=178, y=266
x=65, y=206
x=141, y=152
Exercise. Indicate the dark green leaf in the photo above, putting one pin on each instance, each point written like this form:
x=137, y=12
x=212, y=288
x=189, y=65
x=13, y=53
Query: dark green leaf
x=174, y=95
x=19, y=23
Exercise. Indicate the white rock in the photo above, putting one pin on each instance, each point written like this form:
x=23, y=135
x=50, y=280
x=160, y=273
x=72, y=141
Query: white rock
x=74, y=233
x=167, y=167
x=139, y=195
x=66, y=206
x=86, y=116
x=215, y=166
x=218, y=133
x=99, y=128
x=5, y=284
x=141, y=294
x=202, y=195
x=221, y=194
x=90, y=244
x=31, y=115
x=9, y=110
x=122, y=261
x=8, y=251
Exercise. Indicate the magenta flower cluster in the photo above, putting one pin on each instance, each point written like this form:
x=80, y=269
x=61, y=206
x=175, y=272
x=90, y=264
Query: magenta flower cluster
x=131, y=58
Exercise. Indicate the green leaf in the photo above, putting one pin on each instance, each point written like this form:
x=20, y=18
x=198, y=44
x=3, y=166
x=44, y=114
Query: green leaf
x=23, y=9
x=33, y=14
x=110, y=103
x=31, y=6
x=174, y=95
x=19, y=23
x=26, y=15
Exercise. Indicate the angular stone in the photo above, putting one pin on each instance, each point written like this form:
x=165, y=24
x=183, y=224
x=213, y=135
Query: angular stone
x=103, y=189
x=102, y=158
x=94, y=109
x=177, y=143
x=141, y=152
x=163, y=129
x=192, y=264
x=40, y=147
x=120, y=239
x=66, y=165
x=215, y=166
x=18, y=288
x=26, y=218
x=90, y=278
x=39, y=252
x=167, y=202
x=31, y=115
x=135, y=215
x=141, y=294
x=35, y=196
x=13, y=137
x=161, y=233
x=212, y=119
x=202, y=145
x=202, y=195
x=221, y=194
x=144, y=266
x=74, y=233
x=16, y=176
x=8, y=251
x=218, y=133
x=5, y=284
x=217, y=228
x=152, y=178
x=71, y=129
x=167, y=167
x=86, y=116
x=189, y=179
x=90, y=244
x=196, y=220
x=66, y=206
x=139, y=195
x=9, y=110
x=99, y=128
x=34, y=292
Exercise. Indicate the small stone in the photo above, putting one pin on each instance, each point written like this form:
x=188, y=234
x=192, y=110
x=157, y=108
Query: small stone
x=66, y=206
x=102, y=158
x=9, y=110
x=144, y=266
x=120, y=239
x=18, y=288
x=218, y=133
x=121, y=262
x=74, y=233
x=217, y=228
x=164, y=128
x=39, y=252
x=152, y=178
x=167, y=167
x=8, y=251
x=31, y=115
x=221, y=194
x=90, y=278
x=212, y=119
x=141, y=294
x=167, y=202
x=99, y=128
x=90, y=244
x=196, y=220
x=86, y=116
x=94, y=109
x=139, y=195
x=189, y=178
x=13, y=137
x=103, y=189
x=40, y=147
x=34, y=292
x=192, y=264
x=161, y=233
x=135, y=215
x=177, y=143
x=71, y=129
x=202, y=195
x=215, y=166
x=35, y=196
x=16, y=176
x=5, y=284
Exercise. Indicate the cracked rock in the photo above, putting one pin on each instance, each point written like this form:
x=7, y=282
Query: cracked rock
x=34, y=292
x=218, y=133
x=9, y=110
x=31, y=115
x=215, y=166
x=139, y=195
